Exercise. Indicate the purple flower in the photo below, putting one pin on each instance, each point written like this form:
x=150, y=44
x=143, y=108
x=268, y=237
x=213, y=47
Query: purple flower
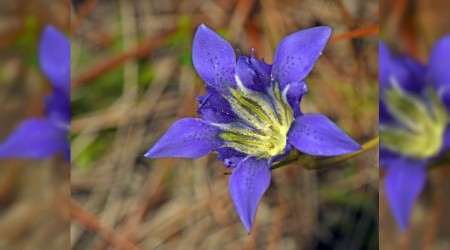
x=251, y=115
x=414, y=131
x=38, y=138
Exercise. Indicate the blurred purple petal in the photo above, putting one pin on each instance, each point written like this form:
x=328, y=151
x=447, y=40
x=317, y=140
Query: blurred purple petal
x=66, y=151
x=444, y=95
x=35, y=139
x=213, y=59
x=387, y=157
x=247, y=185
x=187, y=138
x=446, y=143
x=408, y=73
x=315, y=134
x=439, y=64
x=296, y=54
x=384, y=65
x=404, y=182
x=57, y=108
x=404, y=71
x=384, y=115
x=54, y=58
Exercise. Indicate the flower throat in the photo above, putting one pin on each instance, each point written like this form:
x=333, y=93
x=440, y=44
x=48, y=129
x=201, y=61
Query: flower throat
x=264, y=121
x=423, y=124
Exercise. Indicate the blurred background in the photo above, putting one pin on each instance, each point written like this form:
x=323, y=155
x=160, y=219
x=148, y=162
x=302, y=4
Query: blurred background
x=34, y=195
x=133, y=77
x=412, y=27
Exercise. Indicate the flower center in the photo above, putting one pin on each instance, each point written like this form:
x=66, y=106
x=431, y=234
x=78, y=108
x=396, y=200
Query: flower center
x=265, y=119
x=422, y=124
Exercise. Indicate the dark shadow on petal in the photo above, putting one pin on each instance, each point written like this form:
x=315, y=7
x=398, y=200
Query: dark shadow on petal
x=214, y=108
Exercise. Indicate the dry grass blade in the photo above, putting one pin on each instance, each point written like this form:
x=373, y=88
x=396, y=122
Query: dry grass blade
x=82, y=13
x=91, y=222
x=374, y=30
x=106, y=65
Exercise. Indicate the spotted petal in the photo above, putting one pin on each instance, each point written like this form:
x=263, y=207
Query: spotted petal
x=213, y=59
x=35, y=139
x=54, y=58
x=404, y=182
x=247, y=184
x=315, y=134
x=187, y=138
x=297, y=53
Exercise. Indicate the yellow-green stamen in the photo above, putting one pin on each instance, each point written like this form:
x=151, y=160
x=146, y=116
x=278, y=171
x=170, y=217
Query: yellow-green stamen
x=266, y=119
x=423, y=124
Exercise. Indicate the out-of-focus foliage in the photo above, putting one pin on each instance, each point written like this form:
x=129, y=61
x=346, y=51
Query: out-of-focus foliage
x=411, y=28
x=34, y=195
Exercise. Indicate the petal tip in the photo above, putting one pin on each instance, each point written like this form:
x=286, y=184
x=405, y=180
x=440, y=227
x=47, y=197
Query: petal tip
x=51, y=34
x=247, y=184
x=354, y=146
x=50, y=29
x=149, y=154
x=213, y=58
x=299, y=50
x=202, y=28
x=187, y=138
x=326, y=29
x=316, y=134
x=248, y=227
x=403, y=226
x=156, y=152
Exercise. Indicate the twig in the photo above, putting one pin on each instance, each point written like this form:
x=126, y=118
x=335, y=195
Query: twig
x=309, y=162
x=374, y=30
x=93, y=224
x=103, y=67
x=85, y=9
x=334, y=160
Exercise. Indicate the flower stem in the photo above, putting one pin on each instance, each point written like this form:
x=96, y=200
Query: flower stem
x=441, y=163
x=291, y=158
x=328, y=162
x=311, y=162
